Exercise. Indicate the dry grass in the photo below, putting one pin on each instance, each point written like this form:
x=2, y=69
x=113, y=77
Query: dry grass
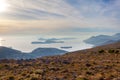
x=93, y=64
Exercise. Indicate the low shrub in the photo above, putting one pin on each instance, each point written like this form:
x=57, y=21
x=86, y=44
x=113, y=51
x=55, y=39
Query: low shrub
x=111, y=51
x=102, y=51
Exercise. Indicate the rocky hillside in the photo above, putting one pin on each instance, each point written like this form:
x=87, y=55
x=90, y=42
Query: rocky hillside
x=99, y=63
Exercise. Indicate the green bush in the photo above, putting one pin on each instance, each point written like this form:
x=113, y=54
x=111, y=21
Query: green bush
x=111, y=51
x=117, y=51
x=101, y=51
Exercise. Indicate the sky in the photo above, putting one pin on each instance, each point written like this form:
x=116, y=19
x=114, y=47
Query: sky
x=58, y=16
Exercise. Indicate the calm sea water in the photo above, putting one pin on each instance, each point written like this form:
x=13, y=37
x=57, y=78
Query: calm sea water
x=23, y=42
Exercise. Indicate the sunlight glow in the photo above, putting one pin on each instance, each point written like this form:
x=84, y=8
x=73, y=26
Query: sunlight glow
x=3, y=5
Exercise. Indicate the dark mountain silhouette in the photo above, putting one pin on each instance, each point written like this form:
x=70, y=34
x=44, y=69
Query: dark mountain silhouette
x=66, y=47
x=103, y=39
x=8, y=53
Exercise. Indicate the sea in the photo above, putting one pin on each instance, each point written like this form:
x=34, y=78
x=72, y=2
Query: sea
x=23, y=42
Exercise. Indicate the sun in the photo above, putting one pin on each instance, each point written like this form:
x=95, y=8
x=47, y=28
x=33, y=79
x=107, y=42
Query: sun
x=3, y=5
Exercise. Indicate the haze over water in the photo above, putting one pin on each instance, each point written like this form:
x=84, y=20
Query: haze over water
x=23, y=42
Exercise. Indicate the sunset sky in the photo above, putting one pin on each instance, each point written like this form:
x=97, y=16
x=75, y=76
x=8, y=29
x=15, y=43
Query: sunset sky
x=58, y=16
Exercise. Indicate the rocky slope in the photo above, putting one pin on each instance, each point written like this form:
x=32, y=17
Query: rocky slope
x=99, y=63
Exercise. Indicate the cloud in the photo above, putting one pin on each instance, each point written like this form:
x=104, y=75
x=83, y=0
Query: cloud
x=45, y=16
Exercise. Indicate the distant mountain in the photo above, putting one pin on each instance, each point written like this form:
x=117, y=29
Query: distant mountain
x=116, y=36
x=47, y=42
x=103, y=39
x=66, y=47
x=47, y=52
x=8, y=53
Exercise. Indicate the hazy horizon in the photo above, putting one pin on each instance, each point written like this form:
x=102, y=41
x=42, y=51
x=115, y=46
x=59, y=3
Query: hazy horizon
x=23, y=42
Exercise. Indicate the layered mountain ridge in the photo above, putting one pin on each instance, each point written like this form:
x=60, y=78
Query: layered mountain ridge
x=8, y=53
x=103, y=39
